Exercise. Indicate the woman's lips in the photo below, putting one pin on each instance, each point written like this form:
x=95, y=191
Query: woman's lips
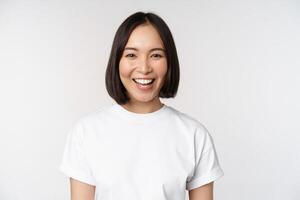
x=144, y=87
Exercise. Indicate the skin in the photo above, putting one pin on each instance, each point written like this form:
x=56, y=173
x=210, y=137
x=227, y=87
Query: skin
x=143, y=56
x=81, y=191
x=204, y=192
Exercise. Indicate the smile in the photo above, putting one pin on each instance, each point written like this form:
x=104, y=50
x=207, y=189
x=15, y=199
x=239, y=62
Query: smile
x=144, y=81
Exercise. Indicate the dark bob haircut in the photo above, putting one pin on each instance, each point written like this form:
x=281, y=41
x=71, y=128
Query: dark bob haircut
x=113, y=82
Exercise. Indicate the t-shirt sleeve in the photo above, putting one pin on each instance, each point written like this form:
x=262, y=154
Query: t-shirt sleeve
x=207, y=167
x=74, y=163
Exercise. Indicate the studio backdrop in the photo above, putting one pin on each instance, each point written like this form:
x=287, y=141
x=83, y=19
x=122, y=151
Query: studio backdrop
x=240, y=67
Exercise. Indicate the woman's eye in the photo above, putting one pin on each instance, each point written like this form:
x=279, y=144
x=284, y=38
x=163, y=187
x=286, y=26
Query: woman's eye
x=130, y=55
x=157, y=55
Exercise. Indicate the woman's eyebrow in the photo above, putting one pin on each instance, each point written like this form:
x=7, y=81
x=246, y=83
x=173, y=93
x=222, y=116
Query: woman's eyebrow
x=154, y=49
x=157, y=49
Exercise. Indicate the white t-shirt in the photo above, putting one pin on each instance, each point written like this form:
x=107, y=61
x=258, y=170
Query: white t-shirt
x=132, y=156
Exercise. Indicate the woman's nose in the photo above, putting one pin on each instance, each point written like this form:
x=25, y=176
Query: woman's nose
x=144, y=66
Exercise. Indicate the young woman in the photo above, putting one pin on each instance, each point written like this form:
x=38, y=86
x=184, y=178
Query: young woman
x=140, y=148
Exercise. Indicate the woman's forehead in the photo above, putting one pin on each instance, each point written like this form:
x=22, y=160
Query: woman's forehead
x=144, y=37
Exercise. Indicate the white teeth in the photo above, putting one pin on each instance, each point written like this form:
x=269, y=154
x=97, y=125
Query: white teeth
x=143, y=81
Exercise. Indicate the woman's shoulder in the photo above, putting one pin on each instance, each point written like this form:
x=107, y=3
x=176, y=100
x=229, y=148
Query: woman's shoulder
x=95, y=116
x=186, y=118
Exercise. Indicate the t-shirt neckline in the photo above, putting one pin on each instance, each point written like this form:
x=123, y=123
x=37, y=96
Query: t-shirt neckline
x=140, y=117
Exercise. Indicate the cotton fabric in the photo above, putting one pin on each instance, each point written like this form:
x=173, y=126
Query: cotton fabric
x=131, y=156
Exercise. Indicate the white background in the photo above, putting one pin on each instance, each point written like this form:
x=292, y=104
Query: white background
x=239, y=76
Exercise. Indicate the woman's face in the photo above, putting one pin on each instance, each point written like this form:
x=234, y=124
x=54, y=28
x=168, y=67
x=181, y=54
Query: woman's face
x=143, y=65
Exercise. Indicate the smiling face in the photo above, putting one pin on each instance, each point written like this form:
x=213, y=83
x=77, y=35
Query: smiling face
x=143, y=67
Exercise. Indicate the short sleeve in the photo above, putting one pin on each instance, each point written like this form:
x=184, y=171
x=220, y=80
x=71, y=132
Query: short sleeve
x=207, y=167
x=74, y=163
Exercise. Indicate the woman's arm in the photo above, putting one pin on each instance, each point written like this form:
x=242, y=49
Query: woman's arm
x=81, y=191
x=204, y=192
